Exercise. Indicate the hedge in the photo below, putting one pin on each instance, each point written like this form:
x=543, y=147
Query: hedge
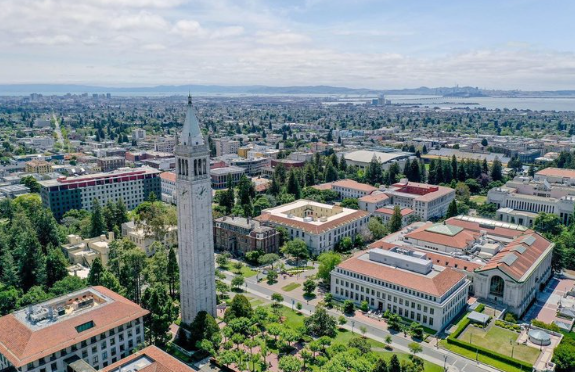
x=452, y=339
x=491, y=354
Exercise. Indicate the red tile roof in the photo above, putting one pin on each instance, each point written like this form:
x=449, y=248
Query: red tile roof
x=435, y=286
x=404, y=211
x=460, y=240
x=168, y=176
x=557, y=172
x=374, y=198
x=162, y=361
x=425, y=191
x=477, y=227
x=311, y=228
x=531, y=253
x=21, y=345
x=351, y=184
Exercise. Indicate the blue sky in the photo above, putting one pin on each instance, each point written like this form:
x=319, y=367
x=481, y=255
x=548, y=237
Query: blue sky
x=512, y=44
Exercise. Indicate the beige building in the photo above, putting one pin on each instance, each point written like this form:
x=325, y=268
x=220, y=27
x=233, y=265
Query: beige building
x=38, y=166
x=143, y=239
x=84, y=251
x=320, y=226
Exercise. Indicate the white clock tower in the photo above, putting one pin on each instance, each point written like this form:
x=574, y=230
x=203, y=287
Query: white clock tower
x=195, y=224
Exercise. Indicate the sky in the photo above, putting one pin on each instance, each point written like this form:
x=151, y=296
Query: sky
x=378, y=44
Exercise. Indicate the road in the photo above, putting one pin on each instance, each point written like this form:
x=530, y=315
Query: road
x=453, y=362
x=58, y=131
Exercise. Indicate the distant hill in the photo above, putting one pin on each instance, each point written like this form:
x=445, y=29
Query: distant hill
x=24, y=89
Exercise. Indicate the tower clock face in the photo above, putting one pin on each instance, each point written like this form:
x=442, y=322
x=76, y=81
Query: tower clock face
x=202, y=192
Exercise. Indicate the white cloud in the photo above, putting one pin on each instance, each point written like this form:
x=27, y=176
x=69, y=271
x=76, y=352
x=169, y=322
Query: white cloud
x=47, y=40
x=281, y=38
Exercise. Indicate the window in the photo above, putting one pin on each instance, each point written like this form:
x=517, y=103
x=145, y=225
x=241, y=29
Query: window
x=85, y=326
x=496, y=286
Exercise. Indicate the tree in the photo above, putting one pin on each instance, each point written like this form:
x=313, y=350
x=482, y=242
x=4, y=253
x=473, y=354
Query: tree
x=272, y=276
x=452, y=209
x=96, y=272
x=394, y=365
x=380, y=366
x=56, y=266
x=8, y=299
x=239, y=308
x=378, y=229
x=35, y=294
x=564, y=355
x=327, y=262
x=351, y=203
x=484, y=142
x=8, y=271
x=548, y=224
x=296, y=249
x=396, y=220
x=348, y=307
x=277, y=299
x=416, y=330
x=308, y=287
x=293, y=186
x=32, y=270
x=496, y=170
x=67, y=285
x=268, y=259
x=330, y=173
x=237, y=282
x=223, y=259
x=364, y=306
x=162, y=314
x=345, y=244
x=374, y=172
x=97, y=225
x=462, y=192
x=290, y=363
x=31, y=183
x=173, y=272
x=110, y=281
x=320, y=323
x=415, y=348
x=203, y=327
x=360, y=343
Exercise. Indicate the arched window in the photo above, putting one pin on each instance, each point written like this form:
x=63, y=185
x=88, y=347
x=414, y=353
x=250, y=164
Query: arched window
x=204, y=165
x=496, y=286
x=195, y=167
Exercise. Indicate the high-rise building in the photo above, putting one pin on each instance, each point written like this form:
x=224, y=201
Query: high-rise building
x=195, y=224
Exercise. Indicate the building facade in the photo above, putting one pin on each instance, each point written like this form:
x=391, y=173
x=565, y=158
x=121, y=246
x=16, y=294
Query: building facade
x=38, y=166
x=110, y=163
x=195, y=223
x=239, y=235
x=168, y=185
x=93, y=324
x=405, y=283
x=133, y=186
x=220, y=176
x=226, y=146
x=320, y=226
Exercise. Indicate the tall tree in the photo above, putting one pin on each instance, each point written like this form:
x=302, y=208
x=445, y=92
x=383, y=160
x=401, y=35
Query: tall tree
x=496, y=170
x=293, y=186
x=33, y=262
x=96, y=272
x=452, y=209
x=162, y=314
x=173, y=272
x=97, y=224
x=56, y=266
x=396, y=220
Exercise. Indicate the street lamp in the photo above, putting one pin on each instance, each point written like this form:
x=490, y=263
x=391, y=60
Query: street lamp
x=445, y=362
x=512, y=347
x=352, y=325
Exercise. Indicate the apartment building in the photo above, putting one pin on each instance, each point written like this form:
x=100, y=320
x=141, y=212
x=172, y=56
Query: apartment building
x=252, y=166
x=38, y=166
x=320, y=226
x=110, y=163
x=226, y=146
x=239, y=235
x=94, y=324
x=168, y=186
x=348, y=188
x=133, y=186
x=405, y=283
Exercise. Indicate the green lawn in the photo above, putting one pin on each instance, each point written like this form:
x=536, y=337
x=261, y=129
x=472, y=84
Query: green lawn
x=344, y=336
x=428, y=366
x=290, y=287
x=256, y=302
x=479, y=199
x=246, y=272
x=499, y=340
x=483, y=359
x=293, y=319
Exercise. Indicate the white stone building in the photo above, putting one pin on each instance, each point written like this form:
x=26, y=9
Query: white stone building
x=93, y=324
x=320, y=226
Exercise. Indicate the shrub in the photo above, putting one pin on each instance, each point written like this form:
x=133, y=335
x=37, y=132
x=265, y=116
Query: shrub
x=550, y=327
x=510, y=318
x=348, y=307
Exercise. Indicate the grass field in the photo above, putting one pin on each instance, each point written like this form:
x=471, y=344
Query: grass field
x=428, y=366
x=290, y=287
x=483, y=359
x=246, y=272
x=479, y=199
x=500, y=340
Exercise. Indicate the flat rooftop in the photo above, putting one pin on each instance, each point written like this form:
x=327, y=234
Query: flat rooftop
x=90, y=178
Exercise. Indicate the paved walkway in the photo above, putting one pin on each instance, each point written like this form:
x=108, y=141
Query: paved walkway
x=375, y=330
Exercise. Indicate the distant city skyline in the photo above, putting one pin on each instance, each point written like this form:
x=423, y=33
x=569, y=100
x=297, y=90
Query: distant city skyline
x=515, y=44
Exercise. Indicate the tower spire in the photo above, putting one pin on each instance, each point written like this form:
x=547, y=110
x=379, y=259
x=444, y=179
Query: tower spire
x=191, y=134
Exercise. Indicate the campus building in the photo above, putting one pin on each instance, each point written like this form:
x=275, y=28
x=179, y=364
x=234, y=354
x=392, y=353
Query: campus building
x=519, y=201
x=219, y=176
x=38, y=166
x=320, y=226
x=94, y=324
x=404, y=282
x=110, y=163
x=148, y=359
x=362, y=158
x=239, y=235
x=168, y=186
x=506, y=263
x=133, y=186
x=427, y=201
x=225, y=146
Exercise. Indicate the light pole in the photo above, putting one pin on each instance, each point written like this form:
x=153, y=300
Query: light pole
x=352, y=325
x=445, y=362
x=512, y=347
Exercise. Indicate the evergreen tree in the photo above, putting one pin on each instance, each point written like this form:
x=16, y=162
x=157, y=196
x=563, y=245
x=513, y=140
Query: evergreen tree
x=380, y=366
x=439, y=176
x=329, y=136
x=342, y=164
x=96, y=272
x=407, y=169
x=394, y=365
x=173, y=272
x=246, y=190
x=452, y=209
x=396, y=220
x=97, y=225
x=203, y=327
x=46, y=229
x=293, y=186
x=496, y=170
x=461, y=175
x=330, y=173
x=393, y=173
x=8, y=270
x=531, y=171
x=414, y=172
x=309, y=175
x=120, y=213
x=374, y=172
x=56, y=266
x=447, y=172
x=110, y=281
x=162, y=314
x=33, y=262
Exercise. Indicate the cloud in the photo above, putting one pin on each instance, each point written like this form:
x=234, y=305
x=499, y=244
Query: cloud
x=281, y=38
x=47, y=40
